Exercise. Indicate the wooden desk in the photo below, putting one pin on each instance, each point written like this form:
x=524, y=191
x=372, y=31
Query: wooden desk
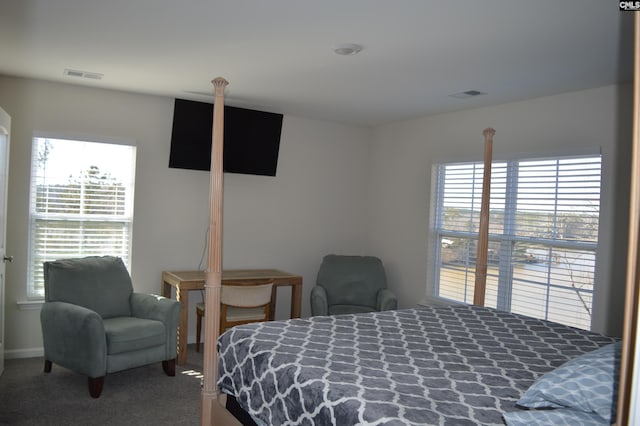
x=186, y=281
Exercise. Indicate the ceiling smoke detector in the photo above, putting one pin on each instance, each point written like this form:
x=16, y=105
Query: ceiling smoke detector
x=467, y=94
x=83, y=74
x=347, y=49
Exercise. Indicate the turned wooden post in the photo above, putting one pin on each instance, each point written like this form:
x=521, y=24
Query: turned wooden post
x=483, y=231
x=213, y=277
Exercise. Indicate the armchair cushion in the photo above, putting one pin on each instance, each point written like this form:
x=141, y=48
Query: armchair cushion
x=99, y=283
x=349, y=309
x=127, y=334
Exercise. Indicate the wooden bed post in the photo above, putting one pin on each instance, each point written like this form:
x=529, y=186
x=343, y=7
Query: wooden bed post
x=213, y=278
x=483, y=231
x=628, y=369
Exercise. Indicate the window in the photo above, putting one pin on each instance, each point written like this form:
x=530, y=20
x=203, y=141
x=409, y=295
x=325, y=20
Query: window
x=81, y=203
x=543, y=236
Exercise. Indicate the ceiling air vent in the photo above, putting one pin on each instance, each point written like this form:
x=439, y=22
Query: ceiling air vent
x=83, y=74
x=467, y=94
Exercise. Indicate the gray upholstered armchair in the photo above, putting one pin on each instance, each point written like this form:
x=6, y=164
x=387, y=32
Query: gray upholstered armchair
x=93, y=323
x=351, y=285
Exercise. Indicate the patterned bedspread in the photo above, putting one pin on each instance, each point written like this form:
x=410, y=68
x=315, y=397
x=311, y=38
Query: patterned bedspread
x=459, y=365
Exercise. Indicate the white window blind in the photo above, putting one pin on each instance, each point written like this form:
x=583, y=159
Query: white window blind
x=543, y=236
x=81, y=203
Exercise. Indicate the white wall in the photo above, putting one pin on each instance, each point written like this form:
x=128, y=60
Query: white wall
x=339, y=188
x=315, y=204
x=403, y=155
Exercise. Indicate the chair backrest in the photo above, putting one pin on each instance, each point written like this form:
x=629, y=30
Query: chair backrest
x=243, y=303
x=352, y=280
x=99, y=283
x=243, y=295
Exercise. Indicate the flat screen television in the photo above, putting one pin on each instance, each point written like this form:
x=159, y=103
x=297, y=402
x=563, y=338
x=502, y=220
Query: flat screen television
x=251, y=138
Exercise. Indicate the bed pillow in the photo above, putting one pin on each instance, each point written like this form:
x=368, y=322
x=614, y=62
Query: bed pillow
x=588, y=383
x=559, y=416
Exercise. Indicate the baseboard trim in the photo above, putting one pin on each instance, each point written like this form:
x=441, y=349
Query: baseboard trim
x=24, y=353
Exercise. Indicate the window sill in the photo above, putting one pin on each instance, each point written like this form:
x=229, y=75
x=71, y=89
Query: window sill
x=29, y=305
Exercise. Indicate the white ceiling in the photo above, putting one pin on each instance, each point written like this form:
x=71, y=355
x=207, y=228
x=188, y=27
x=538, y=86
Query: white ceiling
x=277, y=54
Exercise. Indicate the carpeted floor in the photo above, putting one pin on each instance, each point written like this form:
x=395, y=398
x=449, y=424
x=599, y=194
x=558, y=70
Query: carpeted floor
x=140, y=396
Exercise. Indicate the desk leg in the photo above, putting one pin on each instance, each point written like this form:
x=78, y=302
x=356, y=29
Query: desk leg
x=296, y=299
x=272, y=305
x=183, y=326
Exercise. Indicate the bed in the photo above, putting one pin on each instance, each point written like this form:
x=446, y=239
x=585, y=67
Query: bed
x=457, y=365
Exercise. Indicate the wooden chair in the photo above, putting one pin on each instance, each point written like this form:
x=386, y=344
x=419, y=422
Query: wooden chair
x=240, y=303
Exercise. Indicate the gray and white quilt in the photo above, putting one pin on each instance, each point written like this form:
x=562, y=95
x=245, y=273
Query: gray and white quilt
x=454, y=365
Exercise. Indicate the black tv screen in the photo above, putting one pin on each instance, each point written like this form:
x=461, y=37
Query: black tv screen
x=251, y=138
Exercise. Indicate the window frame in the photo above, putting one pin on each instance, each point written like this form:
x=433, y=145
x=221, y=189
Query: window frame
x=35, y=286
x=507, y=239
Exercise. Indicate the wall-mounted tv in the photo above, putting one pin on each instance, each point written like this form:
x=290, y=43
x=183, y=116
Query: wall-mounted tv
x=251, y=138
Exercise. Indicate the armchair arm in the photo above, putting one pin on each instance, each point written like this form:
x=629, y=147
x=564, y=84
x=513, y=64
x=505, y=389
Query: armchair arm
x=386, y=300
x=74, y=338
x=319, y=301
x=150, y=306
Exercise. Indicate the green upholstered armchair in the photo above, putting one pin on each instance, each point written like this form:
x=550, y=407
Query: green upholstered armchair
x=93, y=323
x=351, y=285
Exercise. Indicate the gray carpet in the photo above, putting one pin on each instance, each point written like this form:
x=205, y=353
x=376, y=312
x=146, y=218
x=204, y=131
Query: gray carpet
x=140, y=396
